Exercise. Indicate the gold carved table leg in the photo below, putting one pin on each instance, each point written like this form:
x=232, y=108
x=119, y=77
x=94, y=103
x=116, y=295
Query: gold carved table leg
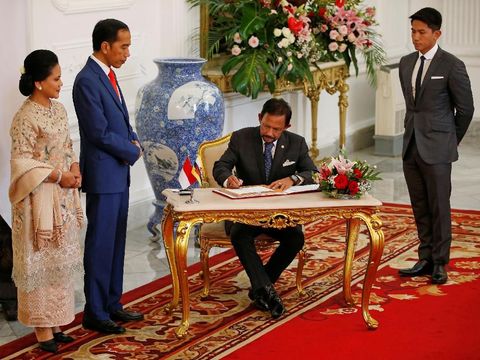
x=374, y=226
x=168, y=241
x=353, y=227
x=181, y=247
x=342, y=107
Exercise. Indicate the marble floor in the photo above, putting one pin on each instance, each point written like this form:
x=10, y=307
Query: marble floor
x=145, y=260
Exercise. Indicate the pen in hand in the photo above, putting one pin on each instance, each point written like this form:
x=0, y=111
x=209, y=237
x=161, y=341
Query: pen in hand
x=233, y=182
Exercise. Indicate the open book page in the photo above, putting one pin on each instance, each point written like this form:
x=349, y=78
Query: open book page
x=301, y=188
x=247, y=192
x=262, y=190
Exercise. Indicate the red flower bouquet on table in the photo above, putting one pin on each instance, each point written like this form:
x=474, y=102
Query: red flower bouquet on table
x=341, y=178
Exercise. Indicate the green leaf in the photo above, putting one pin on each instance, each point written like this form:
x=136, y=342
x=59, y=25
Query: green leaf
x=251, y=21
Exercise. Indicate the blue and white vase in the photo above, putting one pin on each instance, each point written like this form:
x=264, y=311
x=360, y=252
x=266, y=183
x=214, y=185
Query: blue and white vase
x=175, y=113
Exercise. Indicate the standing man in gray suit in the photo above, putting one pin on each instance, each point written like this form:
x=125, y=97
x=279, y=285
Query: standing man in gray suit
x=266, y=154
x=439, y=104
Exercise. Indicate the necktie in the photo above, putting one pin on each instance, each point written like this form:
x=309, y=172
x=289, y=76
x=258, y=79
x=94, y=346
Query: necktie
x=267, y=157
x=113, y=81
x=418, y=80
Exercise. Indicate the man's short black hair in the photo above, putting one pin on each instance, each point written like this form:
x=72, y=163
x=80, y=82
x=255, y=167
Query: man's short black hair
x=106, y=30
x=276, y=106
x=429, y=16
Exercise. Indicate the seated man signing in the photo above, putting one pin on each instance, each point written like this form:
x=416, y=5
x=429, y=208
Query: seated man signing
x=266, y=154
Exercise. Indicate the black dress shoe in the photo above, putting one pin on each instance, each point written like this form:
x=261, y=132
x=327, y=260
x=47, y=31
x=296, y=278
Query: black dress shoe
x=61, y=337
x=422, y=267
x=275, y=303
x=103, y=326
x=124, y=315
x=260, y=298
x=49, y=345
x=439, y=275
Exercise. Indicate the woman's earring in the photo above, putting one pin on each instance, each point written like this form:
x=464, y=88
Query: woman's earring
x=39, y=88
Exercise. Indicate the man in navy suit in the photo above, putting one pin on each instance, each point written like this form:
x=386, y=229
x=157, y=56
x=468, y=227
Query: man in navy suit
x=439, y=102
x=109, y=146
x=266, y=154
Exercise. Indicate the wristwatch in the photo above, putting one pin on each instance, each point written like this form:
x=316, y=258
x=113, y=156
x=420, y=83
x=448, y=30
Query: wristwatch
x=296, y=179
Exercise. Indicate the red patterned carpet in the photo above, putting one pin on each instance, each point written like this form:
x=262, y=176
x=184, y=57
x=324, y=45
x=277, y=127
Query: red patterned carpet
x=417, y=320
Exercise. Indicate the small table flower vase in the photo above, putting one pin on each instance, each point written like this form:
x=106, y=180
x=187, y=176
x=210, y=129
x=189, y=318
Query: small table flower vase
x=175, y=113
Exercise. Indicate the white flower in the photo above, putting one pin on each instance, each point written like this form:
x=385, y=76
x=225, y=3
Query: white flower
x=286, y=32
x=289, y=53
x=283, y=43
x=289, y=66
x=280, y=59
x=273, y=12
x=343, y=30
x=333, y=46
x=291, y=38
x=342, y=47
x=277, y=32
x=237, y=38
x=351, y=37
x=253, y=41
x=299, y=55
x=22, y=70
x=236, y=50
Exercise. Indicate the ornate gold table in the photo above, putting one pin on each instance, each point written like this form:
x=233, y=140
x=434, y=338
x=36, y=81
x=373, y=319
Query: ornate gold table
x=279, y=212
x=328, y=76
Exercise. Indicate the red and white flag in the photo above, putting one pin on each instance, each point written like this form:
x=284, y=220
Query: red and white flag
x=196, y=170
x=186, y=177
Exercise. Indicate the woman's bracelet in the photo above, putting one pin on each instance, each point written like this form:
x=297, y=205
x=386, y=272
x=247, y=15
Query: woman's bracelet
x=59, y=178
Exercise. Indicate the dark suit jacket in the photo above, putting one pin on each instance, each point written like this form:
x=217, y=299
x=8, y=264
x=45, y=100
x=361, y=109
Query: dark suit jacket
x=443, y=110
x=106, y=150
x=245, y=153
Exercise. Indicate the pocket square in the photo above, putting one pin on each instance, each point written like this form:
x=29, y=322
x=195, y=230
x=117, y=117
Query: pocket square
x=288, y=163
x=436, y=77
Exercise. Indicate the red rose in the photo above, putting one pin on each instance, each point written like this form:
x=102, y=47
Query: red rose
x=353, y=187
x=341, y=181
x=358, y=174
x=339, y=3
x=295, y=25
x=322, y=11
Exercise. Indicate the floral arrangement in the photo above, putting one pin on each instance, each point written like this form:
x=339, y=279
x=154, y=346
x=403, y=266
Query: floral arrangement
x=339, y=177
x=272, y=39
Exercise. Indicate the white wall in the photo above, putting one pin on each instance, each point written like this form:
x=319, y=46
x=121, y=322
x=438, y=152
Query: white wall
x=164, y=28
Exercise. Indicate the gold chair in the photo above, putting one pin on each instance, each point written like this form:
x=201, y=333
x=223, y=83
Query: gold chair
x=213, y=235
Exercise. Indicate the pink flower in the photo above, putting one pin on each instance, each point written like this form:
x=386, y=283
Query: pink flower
x=290, y=67
x=333, y=46
x=253, y=41
x=334, y=34
x=351, y=37
x=323, y=28
x=342, y=47
x=342, y=165
x=370, y=11
x=343, y=30
x=236, y=50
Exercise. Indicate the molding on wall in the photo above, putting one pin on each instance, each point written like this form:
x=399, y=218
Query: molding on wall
x=84, y=6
